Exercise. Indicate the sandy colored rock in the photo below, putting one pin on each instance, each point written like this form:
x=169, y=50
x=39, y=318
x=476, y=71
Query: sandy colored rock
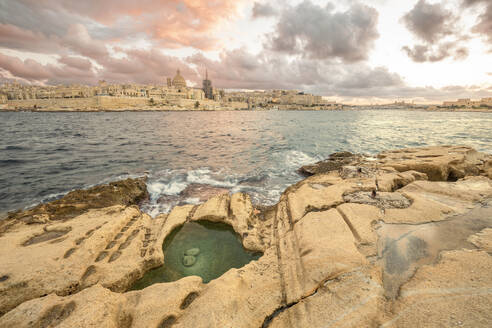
x=454, y=292
x=361, y=219
x=353, y=300
x=110, y=246
x=440, y=163
x=216, y=209
x=255, y=236
x=488, y=168
x=311, y=197
x=125, y=192
x=334, y=254
x=333, y=163
x=393, y=181
x=99, y=307
x=435, y=201
x=320, y=247
x=483, y=240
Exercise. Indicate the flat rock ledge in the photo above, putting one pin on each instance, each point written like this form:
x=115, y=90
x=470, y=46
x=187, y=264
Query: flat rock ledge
x=400, y=240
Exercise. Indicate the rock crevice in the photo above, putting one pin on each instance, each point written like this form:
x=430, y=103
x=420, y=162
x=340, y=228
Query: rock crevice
x=362, y=242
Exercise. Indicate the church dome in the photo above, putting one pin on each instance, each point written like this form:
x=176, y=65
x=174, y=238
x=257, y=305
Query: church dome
x=179, y=81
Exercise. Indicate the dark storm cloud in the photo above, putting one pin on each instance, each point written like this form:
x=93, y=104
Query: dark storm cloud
x=320, y=33
x=263, y=10
x=436, y=27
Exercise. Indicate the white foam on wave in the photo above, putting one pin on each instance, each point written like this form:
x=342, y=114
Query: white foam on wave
x=206, y=176
x=265, y=191
x=158, y=188
x=295, y=159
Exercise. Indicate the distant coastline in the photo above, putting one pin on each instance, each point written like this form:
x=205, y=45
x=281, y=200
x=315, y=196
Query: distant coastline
x=117, y=104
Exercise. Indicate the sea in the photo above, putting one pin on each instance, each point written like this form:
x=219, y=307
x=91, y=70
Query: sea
x=45, y=155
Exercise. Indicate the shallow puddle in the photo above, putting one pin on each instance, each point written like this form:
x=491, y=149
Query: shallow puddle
x=202, y=249
x=403, y=248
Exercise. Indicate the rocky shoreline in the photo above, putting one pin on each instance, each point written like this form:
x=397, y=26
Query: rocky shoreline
x=400, y=240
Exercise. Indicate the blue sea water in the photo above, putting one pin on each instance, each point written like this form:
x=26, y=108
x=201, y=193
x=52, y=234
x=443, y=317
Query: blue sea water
x=45, y=155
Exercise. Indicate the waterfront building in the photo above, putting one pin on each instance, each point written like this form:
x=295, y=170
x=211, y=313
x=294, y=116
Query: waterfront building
x=468, y=103
x=173, y=92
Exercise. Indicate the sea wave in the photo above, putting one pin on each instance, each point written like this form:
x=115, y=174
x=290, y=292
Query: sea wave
x=264, y=185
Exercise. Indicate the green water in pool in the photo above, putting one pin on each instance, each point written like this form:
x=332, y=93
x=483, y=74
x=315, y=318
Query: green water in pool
x=203, y=248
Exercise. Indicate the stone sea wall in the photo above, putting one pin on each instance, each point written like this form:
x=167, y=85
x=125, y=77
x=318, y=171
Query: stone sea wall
x=78, y=104
x=107, y=103
x=400, y=240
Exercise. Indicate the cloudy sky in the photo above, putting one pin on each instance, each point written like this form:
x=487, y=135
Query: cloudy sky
x=363, y=51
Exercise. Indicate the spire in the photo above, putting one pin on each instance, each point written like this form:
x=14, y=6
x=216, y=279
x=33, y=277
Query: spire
x=206, y=74
x=178, y=72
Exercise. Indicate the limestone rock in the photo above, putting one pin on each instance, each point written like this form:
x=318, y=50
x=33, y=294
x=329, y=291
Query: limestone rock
x=488, y=168
x=353, y=300
x=382, y=200
x=389, y=181
x=125, y=192
x=320, y=247
x=417, y=253
x=202, y=192
x=483, y=240
x=154, y=306
x=215, y=209
x=454, y=292
x=101, y=246
x=334, y=162
x=192, y=251
x=436, y=201
x=440, y=163
x=362, y=219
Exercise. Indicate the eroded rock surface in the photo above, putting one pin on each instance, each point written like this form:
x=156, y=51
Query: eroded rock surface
x=393, y=242
x=125, y=192
x=440, y=163
x=333, y=163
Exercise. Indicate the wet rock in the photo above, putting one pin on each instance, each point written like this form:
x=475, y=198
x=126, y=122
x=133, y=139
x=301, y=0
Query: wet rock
x=192, y=251
x=405, y=247
x=125, y=192
x=189, y=260
x=202, y=192
x=333, y=163
x=167, y=199
x=383, y=200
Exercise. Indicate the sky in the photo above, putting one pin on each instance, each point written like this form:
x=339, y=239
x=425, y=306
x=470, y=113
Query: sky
x=367, y=51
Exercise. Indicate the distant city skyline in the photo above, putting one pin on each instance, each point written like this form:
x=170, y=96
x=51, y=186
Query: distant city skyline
x=359, y=52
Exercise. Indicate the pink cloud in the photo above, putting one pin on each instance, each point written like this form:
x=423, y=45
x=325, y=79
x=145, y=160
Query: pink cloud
x=173, y=23
x=143, y=66
x=70, y=70
x=15, y=37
